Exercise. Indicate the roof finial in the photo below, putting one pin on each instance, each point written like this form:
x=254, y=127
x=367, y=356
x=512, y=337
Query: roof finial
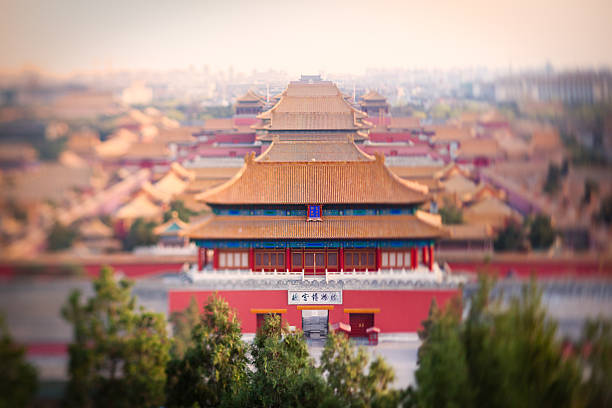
x=249, y=157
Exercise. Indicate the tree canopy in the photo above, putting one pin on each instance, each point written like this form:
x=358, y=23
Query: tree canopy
x=119, y=353
x=451, y=214
x=61, y=237
x=18, y=378
x=503, y=354
x=510, y=238
x=541, y=232
x=140, y=234
x=213, y=367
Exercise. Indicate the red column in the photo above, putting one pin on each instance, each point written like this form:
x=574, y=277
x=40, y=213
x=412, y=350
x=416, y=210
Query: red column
x=200, y=258
x=216, y=258
x=341, y=260
x=378, y=259
x=287, y=259
x=251, y=259
x=424, y=255
x=205, y=253
x=431, y=257
x=413, y=258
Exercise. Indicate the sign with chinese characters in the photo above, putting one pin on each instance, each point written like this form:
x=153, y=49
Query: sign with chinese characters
x=314, y=297
x=314, y=213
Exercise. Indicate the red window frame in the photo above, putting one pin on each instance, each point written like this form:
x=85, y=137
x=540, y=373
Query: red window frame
x=406, y=258
x=369, y=262
x=262, y=260
x=231, y=252
x=320, y=269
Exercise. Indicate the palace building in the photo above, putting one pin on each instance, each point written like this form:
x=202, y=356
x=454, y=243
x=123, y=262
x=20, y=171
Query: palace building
x=311, y=211
x=313, y=201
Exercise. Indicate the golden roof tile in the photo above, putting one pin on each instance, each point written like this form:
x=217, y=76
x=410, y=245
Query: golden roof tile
x=282, y=151
x=171, y=184
x=483, y=147
x=312, y=106
x=333, y=227
x=338, y=182
x=251, y=96
x=140, y=207
x=372, y=95
x=96, y=229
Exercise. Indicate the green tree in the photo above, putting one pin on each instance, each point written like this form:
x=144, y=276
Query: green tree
x=118, y=354
x=443, y=377
x=18, y=378
x=140, y=234
x=344, y=366
x=283, y=374
x=510, y=238
x=541, y=232
x=214, y=367
x=553, y=179
x=50, y=150
x=61, y=237
x=183, y=212
x=504, y=354
x=451, y=214
x=596, y=344
x=183, y=323
x=605, y=210
x=590, y=187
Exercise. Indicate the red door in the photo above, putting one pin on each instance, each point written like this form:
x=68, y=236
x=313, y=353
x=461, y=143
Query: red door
x=314, y=262
x=360, y=322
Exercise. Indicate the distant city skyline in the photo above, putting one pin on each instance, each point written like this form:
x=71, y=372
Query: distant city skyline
x=65, y=36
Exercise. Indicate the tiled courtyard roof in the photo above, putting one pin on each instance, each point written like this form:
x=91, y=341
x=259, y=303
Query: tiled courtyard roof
x=318, y=106
x=314, y=182
x=333, y=227
x=284, y=151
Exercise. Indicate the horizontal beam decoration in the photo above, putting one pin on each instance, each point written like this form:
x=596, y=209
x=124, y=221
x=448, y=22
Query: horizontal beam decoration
x=362, y=310
x=315, y=307
x=229, y=244
x=301, y=212
x=257, y=311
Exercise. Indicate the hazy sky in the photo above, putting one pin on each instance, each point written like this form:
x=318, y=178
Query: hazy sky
x=334, y=36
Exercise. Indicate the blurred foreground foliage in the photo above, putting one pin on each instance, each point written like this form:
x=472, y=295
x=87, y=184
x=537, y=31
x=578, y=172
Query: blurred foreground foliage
x=506, y=353
x=499, y=351
x=119, y=353
x=61, y=236
x=18, y=379
x=140, y=234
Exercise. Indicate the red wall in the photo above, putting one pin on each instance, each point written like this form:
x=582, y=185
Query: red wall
x=400, y=310
x=542, y=269
x=135, y=270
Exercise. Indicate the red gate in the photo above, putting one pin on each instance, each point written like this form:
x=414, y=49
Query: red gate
x=360, y=322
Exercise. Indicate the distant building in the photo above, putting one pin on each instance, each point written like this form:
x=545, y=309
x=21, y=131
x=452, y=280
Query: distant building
x=374, y=104
x=250, y=104
x=137, y=94
x=568, y=87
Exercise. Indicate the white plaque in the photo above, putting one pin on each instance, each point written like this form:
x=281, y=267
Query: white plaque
x=314, y=297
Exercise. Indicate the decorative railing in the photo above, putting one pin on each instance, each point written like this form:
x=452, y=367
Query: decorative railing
x=419, y=275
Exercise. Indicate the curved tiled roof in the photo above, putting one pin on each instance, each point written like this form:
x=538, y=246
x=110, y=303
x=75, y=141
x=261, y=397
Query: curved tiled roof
x=373, y=95
x=333, y=227
x=315, y=182
x=324, y=150
x=312, y=106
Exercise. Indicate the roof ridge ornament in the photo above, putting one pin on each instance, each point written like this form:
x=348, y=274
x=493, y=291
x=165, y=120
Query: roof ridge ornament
x=249, y=158
x=380, y=157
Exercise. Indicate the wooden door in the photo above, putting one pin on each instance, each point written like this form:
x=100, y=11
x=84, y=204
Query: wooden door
x=360, y=322
x=314, y=262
